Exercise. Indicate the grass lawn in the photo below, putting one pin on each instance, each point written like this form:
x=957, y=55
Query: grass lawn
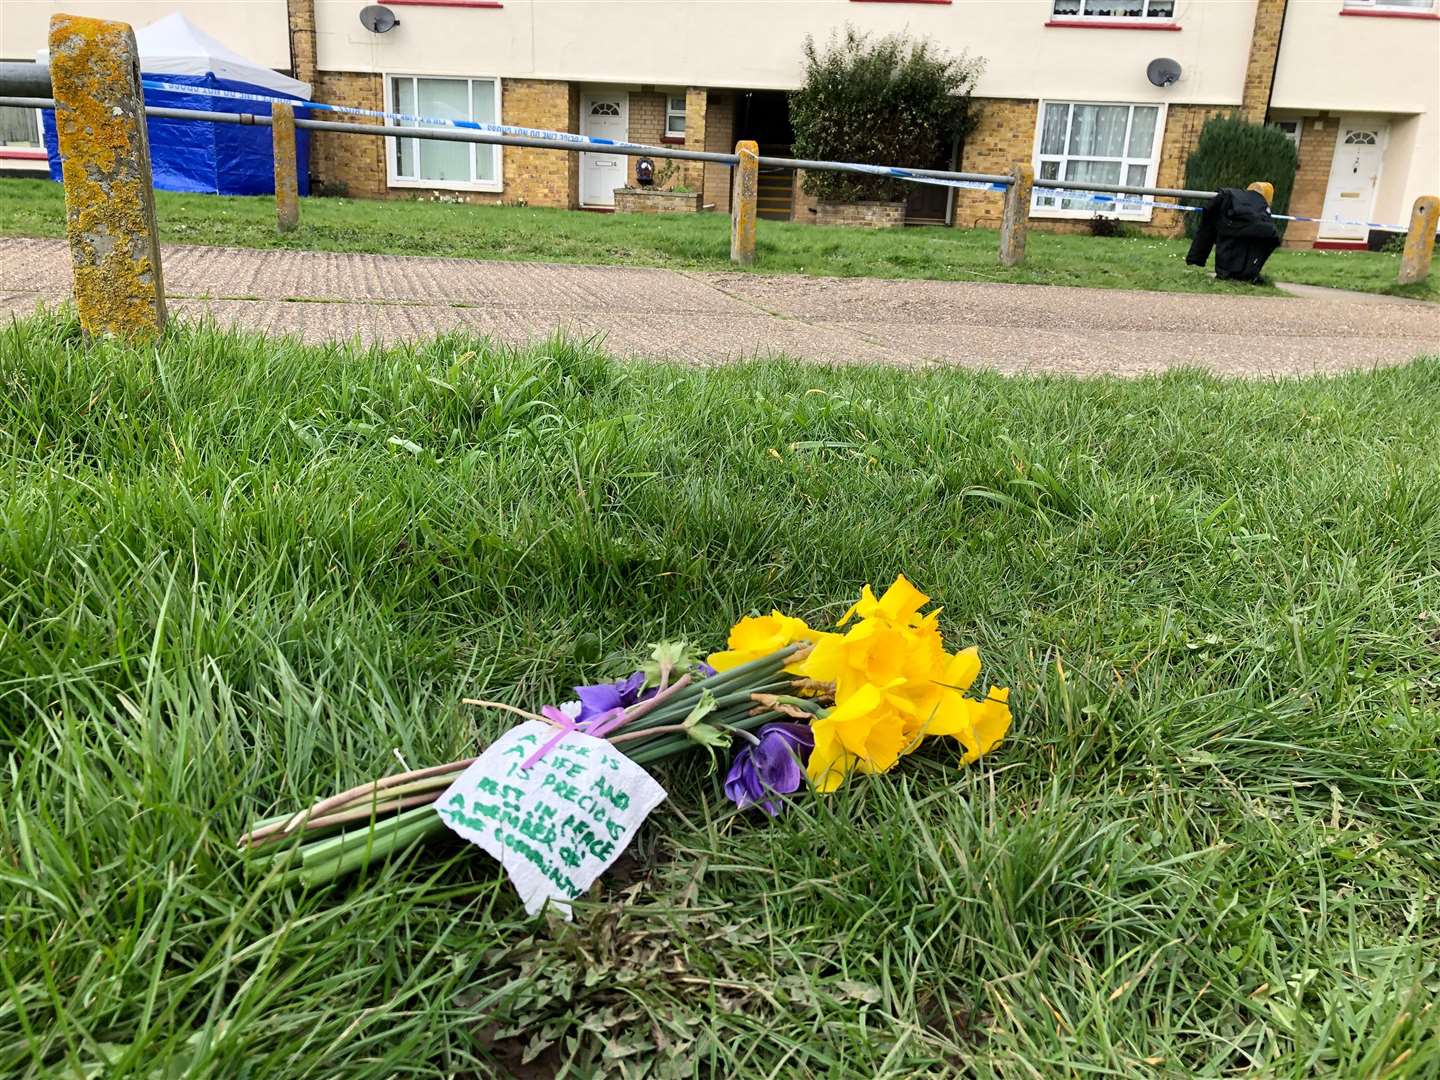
x=699, y=242
x=239, y=573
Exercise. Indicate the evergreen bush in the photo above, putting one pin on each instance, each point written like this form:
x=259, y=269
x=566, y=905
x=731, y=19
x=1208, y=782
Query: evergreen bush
x=892, y=101
x=1233, y=153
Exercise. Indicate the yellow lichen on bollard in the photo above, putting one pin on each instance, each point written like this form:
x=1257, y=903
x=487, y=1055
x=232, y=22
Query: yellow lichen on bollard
x=742, y=203
x=1420, y=240
x=1015, y=218
x=1265, y=188
x=287, y=180
x=105, y=164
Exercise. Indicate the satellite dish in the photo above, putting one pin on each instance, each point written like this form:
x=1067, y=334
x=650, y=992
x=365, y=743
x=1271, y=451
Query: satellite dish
x=1161, y=71
x=378, y=19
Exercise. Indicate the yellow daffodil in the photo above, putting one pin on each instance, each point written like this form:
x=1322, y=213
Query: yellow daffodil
x=879, y=652
x=979, y=725
x=757, y=636
x=865, y=733
x=900, y=604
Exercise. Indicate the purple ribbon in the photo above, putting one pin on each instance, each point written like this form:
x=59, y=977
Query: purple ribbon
x=598, y=727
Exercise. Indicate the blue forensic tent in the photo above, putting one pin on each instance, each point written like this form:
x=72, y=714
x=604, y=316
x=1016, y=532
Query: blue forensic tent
x=192, y=155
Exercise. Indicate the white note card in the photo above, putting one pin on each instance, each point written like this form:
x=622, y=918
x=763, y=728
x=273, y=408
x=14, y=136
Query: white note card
x=556, y=826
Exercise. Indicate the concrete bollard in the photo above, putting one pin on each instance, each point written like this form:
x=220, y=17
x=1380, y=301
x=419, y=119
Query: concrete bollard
x=1420, y=240
x=287, y=182
x=742, y=203
x=1015, y=222
x=105, y=154
x=1266, y=189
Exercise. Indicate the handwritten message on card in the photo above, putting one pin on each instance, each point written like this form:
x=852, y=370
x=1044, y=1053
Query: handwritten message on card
x=556, y=826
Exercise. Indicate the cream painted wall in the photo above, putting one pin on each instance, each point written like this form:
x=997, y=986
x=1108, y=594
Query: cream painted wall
x=756, y=44
x=1356, y=65
x=256, y=29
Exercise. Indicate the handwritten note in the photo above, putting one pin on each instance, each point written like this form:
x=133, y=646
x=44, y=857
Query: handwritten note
x=556, y=826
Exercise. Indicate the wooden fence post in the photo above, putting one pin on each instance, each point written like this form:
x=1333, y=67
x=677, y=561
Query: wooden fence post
x=287, y=181
x=105, y=156
x=742, y=203
x=1420, y=240
x=1015, y=222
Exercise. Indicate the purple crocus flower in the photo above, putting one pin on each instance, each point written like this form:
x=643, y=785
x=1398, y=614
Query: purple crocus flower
x=772, y=766
x=704, y=670
x=607, y=697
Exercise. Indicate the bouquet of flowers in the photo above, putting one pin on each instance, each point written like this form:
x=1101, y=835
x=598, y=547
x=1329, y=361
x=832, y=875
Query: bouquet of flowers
x=798, y=706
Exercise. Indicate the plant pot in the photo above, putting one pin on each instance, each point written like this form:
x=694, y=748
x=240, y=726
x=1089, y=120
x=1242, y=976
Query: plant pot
x=861, y=215
x=630, y=200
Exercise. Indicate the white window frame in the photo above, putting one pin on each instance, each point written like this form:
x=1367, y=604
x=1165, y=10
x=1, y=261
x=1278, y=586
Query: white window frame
x=392, y=177
x=1123, y=212
x=671, y=112
x=35, y=158
x=1120, y=20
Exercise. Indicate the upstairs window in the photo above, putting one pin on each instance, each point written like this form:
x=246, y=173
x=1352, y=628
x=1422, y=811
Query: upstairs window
x=1404, y=7
x=1114, y=9
x=1098, y=144
x=675, y=116
x=433, y=163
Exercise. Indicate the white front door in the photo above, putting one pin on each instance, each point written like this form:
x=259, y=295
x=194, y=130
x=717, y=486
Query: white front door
x=603, y=116
x=1354, y=174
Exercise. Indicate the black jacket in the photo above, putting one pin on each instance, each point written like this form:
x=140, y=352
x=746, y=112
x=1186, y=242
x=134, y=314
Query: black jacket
x=1238, y=225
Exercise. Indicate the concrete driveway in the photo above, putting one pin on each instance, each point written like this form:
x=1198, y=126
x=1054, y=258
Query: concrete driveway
x=715, y=317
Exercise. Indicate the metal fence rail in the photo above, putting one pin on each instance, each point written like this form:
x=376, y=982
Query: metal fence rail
x=117, y=255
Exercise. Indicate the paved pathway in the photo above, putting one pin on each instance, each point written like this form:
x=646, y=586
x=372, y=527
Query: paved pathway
x=713, y=317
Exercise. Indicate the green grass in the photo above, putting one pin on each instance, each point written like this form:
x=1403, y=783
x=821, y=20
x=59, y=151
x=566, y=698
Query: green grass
x=698, y=242
x=237, y=573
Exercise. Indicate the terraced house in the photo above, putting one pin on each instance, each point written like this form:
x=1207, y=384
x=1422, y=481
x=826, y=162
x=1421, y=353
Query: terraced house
x=1353, y=82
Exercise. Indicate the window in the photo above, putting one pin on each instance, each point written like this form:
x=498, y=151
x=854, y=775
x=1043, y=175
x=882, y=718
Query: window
x=1418, y=7
x=432, y=163
x=1291, y=130
x=20, y=134
x=1102, y=144
x=1114, y=9
x=1361, y=138
x=675, y=116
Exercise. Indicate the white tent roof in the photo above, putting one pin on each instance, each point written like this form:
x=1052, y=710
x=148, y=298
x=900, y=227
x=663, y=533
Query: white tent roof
x=175, y=46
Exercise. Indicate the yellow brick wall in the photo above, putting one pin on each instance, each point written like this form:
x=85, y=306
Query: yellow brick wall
x=1312, y=178
x=355, y=165
x=351, y=165
x=301, y=15
x=532, y=176
x=803, y=206
x=719, y=139
x=1260, y=70
x=1005, y=137
x=1182, y=133
x=693, y=172
x=647, y=125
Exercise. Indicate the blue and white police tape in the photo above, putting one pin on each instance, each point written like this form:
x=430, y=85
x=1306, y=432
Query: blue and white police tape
x=502, y=129
x=379, y=114
x=1092, y=198
x=1097, y=198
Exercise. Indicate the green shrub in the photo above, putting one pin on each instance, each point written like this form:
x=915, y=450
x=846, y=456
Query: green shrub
x=1232, y=153
x=895, y=101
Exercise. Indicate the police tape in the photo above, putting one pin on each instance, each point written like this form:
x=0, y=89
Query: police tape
x=380, y=114
x=1070, y=196
x=1097, y=198
x=507, y=129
